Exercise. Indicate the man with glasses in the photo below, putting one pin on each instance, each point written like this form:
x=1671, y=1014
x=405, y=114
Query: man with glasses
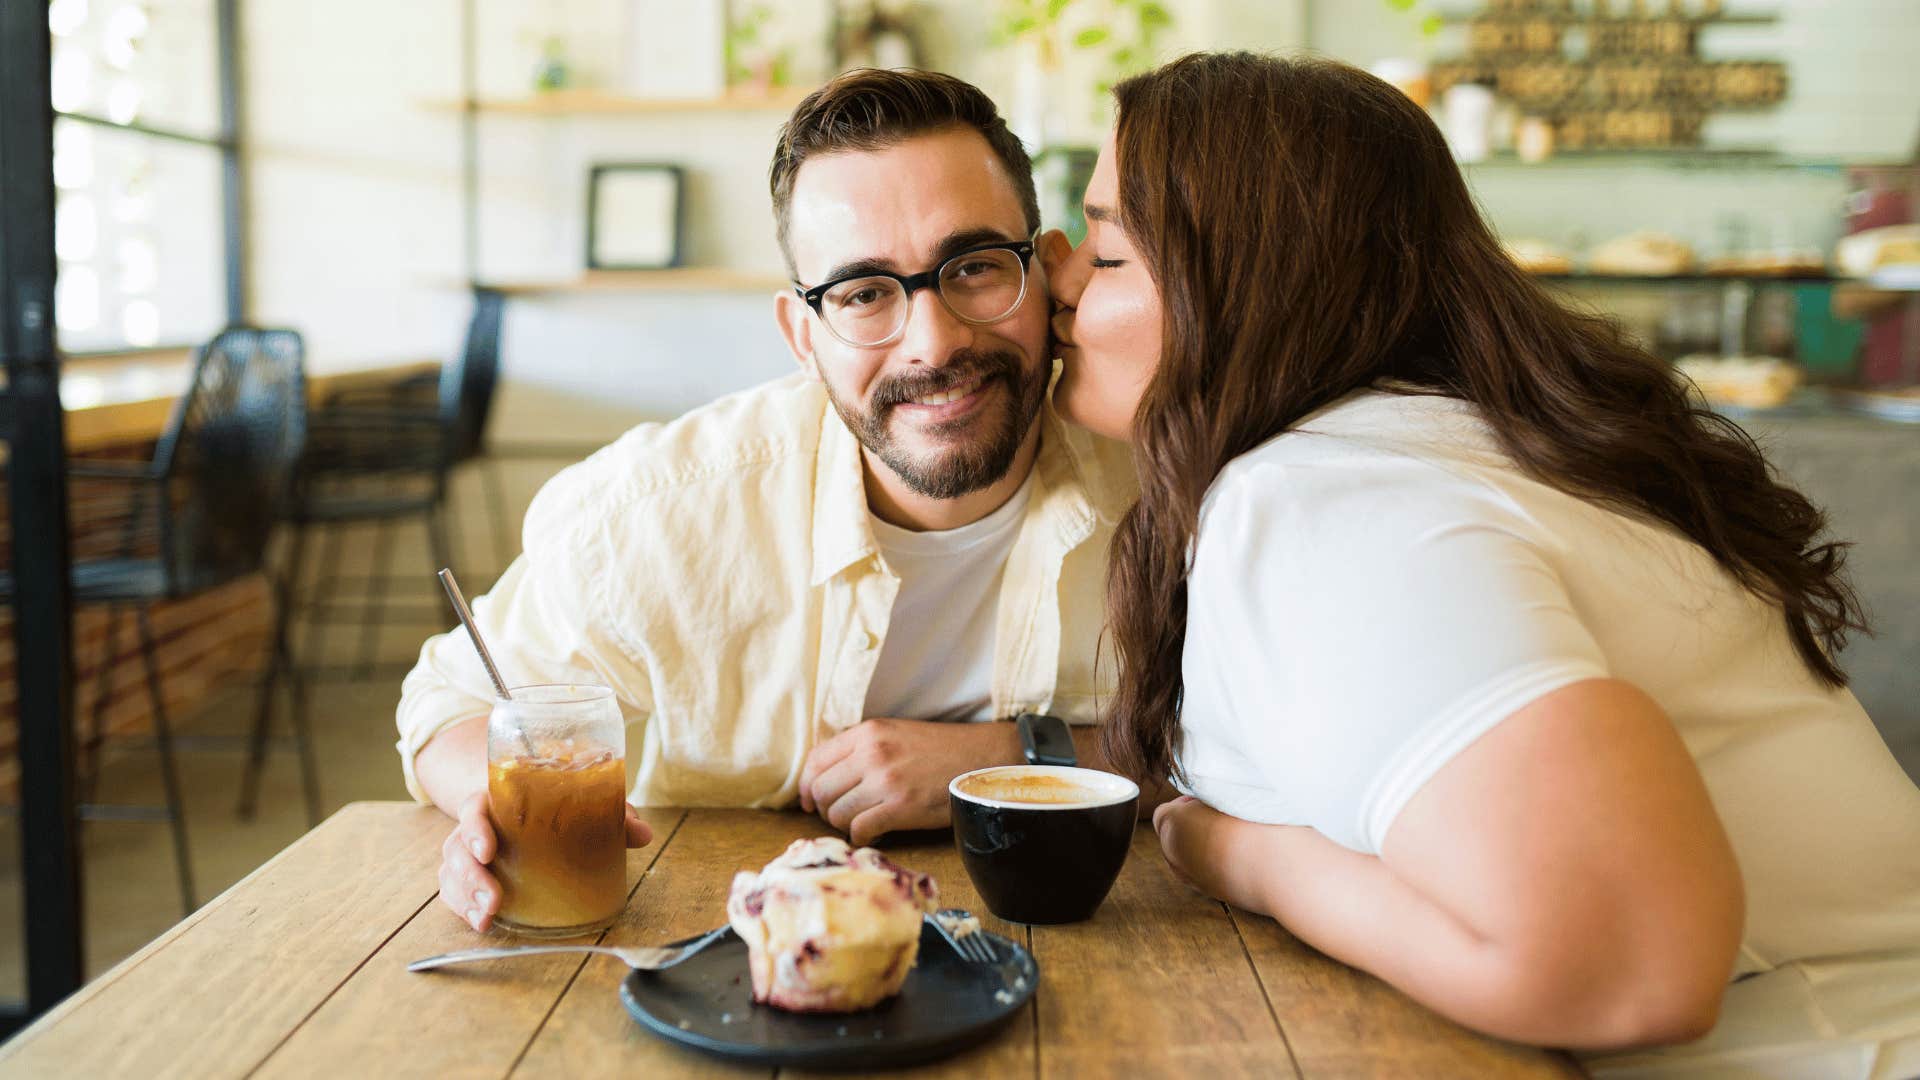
x=844, y=588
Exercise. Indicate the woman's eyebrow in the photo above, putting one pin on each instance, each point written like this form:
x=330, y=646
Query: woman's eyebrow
x=1096, y=212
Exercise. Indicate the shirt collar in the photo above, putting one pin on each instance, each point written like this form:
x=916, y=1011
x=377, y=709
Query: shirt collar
x=841, y=536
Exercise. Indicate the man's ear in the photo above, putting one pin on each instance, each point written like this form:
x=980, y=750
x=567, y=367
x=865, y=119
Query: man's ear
x=792, y=313
x=1053, y=248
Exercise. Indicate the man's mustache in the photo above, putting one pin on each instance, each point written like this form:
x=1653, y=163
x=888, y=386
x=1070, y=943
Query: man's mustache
x=964, y=367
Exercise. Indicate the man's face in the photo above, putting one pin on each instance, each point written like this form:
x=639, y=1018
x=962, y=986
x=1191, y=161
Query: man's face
x=947, y=403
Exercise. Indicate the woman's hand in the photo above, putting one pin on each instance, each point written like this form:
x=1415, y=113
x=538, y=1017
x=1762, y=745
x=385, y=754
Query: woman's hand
x=1218, y=855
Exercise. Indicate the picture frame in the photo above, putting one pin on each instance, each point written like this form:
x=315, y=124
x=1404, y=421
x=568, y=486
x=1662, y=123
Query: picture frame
x=636, y=216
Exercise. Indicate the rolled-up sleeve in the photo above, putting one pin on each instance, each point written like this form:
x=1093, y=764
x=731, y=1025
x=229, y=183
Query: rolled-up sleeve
x=546, y=620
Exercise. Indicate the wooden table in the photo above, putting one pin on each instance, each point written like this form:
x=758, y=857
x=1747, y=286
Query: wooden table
x=114, y=401
x=299, y=970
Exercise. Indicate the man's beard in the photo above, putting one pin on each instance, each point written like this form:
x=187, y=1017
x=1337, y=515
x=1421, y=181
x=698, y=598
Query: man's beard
x=973, y=465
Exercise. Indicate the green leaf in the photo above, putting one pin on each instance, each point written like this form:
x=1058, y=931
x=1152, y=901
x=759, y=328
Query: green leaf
x=1124, y=58
x=1401, y=5
x=1091, y=36
x=1021, y=25
x=1431, y=25
x=1153, y=15
x=1055, y=7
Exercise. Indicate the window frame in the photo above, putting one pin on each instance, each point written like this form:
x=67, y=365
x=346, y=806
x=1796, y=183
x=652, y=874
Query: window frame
x=232, y=178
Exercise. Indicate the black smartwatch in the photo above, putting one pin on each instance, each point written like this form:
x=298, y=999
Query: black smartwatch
x=1045, y=739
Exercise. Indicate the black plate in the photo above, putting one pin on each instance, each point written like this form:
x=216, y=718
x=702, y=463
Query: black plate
x=946, y=1005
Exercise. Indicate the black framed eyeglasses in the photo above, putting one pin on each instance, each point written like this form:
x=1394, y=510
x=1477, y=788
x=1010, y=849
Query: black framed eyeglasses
x=981, y=285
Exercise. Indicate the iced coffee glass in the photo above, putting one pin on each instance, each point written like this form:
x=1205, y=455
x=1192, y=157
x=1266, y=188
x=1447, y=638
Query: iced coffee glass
x=556, y=784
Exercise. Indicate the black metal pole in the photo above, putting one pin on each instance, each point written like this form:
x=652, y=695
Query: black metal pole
x=36, y=488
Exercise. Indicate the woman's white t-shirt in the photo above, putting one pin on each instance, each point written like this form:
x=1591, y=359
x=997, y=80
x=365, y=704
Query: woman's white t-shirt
x=1374, y=590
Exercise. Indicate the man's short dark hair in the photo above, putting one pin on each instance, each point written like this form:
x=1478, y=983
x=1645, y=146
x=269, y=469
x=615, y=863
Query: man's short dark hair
x=871, y=109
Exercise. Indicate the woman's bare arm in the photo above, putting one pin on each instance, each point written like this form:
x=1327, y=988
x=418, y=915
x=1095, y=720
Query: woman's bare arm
x=1563, y=881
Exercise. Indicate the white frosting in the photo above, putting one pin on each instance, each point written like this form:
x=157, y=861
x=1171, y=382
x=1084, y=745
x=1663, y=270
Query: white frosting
x=829, y=928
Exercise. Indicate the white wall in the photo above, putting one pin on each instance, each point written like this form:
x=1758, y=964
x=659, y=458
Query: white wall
x=354, y=189
x=356, y=197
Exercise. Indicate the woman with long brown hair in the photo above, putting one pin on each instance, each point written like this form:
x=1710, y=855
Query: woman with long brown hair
x=1488, y=660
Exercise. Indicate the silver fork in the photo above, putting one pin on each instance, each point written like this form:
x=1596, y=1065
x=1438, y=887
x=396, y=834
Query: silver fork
x=638, y=957
x=975, y=948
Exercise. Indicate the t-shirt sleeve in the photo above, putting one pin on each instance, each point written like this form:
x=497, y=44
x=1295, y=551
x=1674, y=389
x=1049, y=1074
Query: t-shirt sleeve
x=1386, y=618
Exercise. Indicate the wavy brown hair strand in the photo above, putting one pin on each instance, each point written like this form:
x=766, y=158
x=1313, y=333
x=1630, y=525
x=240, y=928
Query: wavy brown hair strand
x=1310, y=236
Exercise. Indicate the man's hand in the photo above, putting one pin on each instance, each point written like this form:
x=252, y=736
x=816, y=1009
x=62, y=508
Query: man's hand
x=885, y=775
x=465, y=884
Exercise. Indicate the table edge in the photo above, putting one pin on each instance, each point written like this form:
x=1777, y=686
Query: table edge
x=100, y=983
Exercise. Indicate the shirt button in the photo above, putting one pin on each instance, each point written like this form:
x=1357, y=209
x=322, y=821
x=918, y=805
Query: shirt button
x=865, y=640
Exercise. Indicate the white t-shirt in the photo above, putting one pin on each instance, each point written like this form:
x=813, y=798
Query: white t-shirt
x=1373, y=591
x=937, y=660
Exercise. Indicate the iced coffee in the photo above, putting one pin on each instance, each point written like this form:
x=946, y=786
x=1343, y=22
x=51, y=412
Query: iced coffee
x=556, y=784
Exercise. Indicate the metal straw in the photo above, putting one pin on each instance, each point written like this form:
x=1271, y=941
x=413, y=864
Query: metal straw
x=461, y=609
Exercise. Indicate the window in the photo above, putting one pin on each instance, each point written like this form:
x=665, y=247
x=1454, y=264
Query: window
x=143, y=155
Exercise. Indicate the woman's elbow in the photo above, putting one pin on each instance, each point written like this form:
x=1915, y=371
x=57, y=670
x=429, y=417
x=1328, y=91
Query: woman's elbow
x=1620, y=1004
x=1663, y=1016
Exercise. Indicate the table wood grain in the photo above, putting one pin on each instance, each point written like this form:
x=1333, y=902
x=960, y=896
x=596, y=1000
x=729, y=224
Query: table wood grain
x=300, y=970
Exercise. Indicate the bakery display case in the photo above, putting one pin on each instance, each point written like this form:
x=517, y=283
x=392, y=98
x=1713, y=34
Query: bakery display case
x=1778, y=284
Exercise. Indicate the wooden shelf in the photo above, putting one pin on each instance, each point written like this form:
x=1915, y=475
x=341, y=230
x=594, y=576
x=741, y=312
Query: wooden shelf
x=1691, y=277
x=1584, y=18
x=685, y=279
x=1884, y=281
x=571, y=102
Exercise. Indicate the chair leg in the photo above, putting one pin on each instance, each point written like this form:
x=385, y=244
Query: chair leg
x=97, y=716
x=325, y=571
x=377, y=600
x=169, y=776
x=285, y=589
x=504, y=552
x=302, y=739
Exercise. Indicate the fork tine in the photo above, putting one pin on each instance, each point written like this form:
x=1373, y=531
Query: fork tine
x=975, y=948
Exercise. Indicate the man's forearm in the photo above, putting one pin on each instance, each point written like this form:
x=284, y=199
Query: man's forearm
x=453, y=764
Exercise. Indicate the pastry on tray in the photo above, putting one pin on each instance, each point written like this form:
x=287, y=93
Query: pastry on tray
x=1539, y=256
x=829, y=928
x=1642, y=254
x=1872, y=251
x=1747, y=382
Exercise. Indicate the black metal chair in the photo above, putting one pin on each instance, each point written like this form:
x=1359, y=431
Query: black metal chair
x=197, y=516
x=381, y=455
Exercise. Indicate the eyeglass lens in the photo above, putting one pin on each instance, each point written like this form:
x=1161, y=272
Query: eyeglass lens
x=979, y=287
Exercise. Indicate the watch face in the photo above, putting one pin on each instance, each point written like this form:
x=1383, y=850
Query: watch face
x=1046, y=739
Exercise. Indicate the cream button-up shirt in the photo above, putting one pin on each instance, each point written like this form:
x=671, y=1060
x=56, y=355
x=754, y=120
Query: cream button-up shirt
x=719, y=574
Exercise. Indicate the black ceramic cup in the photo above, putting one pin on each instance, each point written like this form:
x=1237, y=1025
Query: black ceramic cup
x=1043, y=843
